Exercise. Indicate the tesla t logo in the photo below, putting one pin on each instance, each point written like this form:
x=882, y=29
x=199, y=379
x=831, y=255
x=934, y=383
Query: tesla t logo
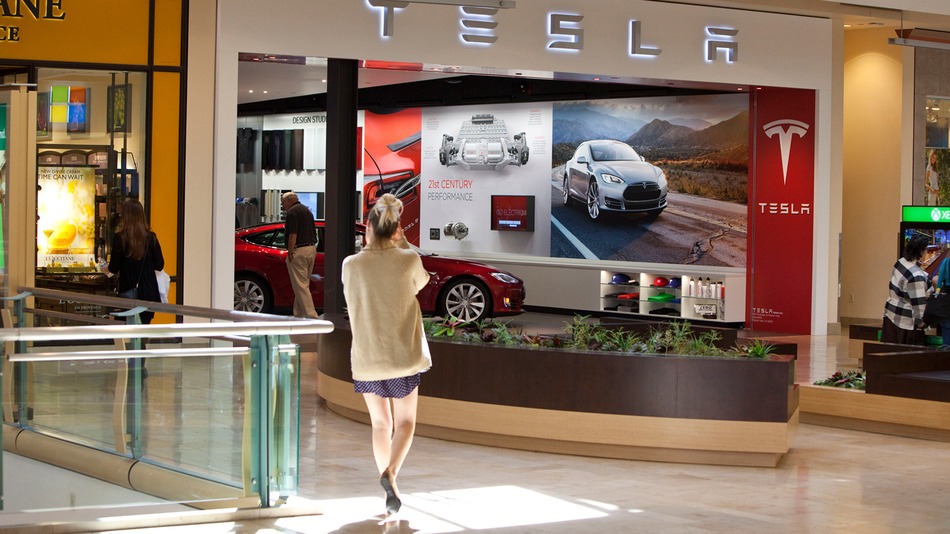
x=388, y=8
x=786, y=129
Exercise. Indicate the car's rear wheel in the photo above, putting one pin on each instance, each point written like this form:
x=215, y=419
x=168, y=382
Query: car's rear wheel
x=466, y=300
x=251, y=294
x=593, y=200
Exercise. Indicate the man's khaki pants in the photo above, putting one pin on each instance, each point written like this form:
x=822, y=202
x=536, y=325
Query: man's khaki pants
x=300, y=269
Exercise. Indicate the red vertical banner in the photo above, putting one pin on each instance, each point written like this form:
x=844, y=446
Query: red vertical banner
x=781, y=210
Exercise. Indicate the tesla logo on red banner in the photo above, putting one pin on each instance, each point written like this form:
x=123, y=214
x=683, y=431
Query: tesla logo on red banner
x=780, y=251
x=786, y=129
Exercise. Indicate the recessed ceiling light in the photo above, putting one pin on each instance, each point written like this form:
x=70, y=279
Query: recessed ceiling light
x=265, y=92
x=324, y=81
x=250, y=90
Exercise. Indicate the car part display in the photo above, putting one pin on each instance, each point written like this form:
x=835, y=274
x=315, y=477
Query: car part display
x=483, y=144
x=458, y=230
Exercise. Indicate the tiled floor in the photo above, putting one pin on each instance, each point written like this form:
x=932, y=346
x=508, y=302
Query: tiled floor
x=831, y=481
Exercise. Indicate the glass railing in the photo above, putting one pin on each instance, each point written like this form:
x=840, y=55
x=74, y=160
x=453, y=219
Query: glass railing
x=187, y=412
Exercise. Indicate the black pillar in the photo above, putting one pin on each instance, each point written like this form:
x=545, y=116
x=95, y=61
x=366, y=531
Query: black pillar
x=342, y=86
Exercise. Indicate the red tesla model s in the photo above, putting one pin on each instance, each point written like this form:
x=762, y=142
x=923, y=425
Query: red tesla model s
x=467, y=290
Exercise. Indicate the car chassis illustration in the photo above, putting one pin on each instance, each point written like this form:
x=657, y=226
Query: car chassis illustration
x=483, y=144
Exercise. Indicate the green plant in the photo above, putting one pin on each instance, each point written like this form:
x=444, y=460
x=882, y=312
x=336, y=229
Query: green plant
x=757, y=348
x=443, y=328
x=581, y=332
x=625, y=341
x=850, y=380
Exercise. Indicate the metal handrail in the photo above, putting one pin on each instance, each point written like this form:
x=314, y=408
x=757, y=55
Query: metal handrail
x=176, y=330
x=144, y=353
x=176, y=309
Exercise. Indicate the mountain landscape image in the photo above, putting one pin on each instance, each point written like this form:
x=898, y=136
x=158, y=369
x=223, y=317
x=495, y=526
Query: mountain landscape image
x=701, y=156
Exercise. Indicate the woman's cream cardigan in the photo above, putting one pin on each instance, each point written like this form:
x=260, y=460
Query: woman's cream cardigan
x=380, y=285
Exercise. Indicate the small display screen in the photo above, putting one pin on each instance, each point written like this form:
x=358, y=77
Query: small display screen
x=314, y=201
x=512, y=213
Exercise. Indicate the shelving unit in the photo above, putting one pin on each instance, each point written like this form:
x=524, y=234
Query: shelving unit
x=676, y=295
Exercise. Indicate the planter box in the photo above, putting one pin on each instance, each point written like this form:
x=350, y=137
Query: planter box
x=663, y=408
x=883, y=414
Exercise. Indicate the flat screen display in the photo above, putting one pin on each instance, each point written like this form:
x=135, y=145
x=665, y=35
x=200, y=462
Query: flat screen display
x=314, y=201
x=939, y=236
x=512, y=213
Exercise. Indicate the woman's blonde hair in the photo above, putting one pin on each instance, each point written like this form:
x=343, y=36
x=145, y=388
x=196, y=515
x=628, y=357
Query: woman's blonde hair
x=384, y=217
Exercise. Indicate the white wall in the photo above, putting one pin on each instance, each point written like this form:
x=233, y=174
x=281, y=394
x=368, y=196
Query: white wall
x=775, y=50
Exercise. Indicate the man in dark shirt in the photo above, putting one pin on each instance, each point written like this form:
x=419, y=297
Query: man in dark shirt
x=301, y=251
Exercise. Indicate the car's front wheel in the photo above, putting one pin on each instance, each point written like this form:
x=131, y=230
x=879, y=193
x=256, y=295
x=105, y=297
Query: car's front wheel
x=251, y=294
x=593, y=200
x=466, y=300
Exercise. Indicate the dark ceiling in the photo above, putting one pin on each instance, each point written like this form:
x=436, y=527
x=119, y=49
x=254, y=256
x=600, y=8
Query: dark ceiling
x=466, y=90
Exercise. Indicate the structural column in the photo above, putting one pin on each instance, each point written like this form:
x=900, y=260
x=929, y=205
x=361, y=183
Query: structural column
x=342, y=86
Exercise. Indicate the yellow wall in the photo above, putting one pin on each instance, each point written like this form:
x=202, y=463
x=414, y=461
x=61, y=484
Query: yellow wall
x=872, y=170
x=89, y=31
x=163, y=197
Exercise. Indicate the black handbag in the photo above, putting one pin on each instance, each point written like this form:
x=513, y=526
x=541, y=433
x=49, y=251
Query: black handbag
x=938, y=308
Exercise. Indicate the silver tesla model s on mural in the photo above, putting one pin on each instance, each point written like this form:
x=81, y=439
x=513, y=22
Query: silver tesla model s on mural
x=609, y=176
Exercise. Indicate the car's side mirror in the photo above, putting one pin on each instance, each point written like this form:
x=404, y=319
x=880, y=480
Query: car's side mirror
x=582, y=159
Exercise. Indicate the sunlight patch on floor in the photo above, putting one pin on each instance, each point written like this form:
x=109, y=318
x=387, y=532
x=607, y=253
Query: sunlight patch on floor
x=449, y=511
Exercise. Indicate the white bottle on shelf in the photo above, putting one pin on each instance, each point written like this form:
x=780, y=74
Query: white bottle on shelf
x=691, y=288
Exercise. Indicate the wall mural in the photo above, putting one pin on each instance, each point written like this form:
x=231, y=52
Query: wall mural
x=679, y=196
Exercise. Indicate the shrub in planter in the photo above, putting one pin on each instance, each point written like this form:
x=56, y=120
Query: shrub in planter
x=849, y=380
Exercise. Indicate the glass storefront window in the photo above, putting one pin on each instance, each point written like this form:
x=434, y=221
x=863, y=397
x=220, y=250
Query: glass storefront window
x=937, y=157
x=90, y=132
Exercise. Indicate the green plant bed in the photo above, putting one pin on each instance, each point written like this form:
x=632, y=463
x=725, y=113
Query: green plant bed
x=677, y=337
x=854, y=379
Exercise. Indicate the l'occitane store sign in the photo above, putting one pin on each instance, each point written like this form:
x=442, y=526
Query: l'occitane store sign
x=90, y=31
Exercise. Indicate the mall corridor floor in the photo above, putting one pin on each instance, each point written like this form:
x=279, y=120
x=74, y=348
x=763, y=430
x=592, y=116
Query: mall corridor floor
x=831, y=481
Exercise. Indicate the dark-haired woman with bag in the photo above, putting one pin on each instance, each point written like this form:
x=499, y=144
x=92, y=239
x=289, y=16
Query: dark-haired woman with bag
x=135, y=256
